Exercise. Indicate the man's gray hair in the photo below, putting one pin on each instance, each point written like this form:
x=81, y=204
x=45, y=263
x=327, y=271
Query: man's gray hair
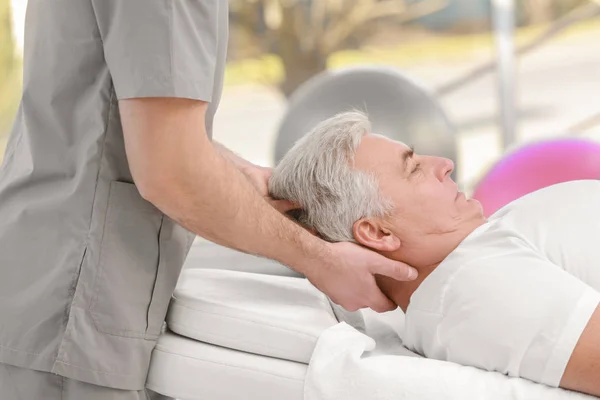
x=317, y=173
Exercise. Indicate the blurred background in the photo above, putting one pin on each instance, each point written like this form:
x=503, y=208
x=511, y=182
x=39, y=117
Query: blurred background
x=549, y=90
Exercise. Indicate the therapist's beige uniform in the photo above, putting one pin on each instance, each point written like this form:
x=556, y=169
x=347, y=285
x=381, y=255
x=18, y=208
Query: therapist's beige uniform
x=87, y=267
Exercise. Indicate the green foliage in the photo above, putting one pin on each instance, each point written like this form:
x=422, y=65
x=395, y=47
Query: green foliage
x=10, y=73
x=268, y=69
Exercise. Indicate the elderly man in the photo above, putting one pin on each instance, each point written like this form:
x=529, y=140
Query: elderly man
x=516, y=293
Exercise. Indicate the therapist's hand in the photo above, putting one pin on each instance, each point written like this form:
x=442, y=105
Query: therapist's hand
x=259, y=178
x=346, y=275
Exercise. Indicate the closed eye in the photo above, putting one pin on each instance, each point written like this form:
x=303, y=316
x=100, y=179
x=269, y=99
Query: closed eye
x=416, y=168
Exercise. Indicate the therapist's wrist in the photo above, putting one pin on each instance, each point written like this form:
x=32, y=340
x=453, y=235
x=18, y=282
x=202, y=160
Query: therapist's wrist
x=310, y=253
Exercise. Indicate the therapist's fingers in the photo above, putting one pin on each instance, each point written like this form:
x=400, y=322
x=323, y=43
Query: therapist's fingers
x=283, y=206
x=381, y=303
x=394, y=269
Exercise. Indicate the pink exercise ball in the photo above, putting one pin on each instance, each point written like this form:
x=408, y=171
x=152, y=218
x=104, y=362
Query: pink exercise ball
x=535, y=166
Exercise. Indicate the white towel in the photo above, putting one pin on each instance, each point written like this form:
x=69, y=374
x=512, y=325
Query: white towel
x=344, y=366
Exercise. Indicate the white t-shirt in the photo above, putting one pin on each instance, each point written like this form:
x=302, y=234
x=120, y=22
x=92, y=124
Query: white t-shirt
x=516, y=294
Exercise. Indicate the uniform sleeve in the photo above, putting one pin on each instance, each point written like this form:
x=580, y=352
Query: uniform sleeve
x=160, y=48
x=517, y=314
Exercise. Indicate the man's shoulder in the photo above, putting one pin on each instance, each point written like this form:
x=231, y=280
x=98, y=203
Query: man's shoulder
x=567, y=188
x=556, y=203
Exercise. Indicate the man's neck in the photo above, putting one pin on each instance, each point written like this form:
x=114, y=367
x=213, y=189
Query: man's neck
x=439, y=248
x=400, y=292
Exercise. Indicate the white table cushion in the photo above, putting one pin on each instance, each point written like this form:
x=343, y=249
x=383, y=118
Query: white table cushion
x=187, y=369
x=205, y=254
x=276, y=316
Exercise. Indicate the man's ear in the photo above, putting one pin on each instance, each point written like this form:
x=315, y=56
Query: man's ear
x=371, y=234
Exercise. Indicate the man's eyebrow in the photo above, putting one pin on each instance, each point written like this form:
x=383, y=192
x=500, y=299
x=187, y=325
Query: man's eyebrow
x=406, y=155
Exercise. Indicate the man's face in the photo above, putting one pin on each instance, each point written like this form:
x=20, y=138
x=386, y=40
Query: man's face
x=426, y=200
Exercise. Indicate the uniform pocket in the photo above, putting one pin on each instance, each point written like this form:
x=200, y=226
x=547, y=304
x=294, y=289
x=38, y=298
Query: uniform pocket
x=128, y=263
x=174, y=242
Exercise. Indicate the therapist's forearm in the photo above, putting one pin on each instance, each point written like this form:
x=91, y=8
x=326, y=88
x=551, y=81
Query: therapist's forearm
x=206, y=194
x=178, y=169
x=238, y=161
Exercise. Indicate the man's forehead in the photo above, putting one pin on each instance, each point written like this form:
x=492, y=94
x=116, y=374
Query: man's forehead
x=388, y=140
x=377, y=152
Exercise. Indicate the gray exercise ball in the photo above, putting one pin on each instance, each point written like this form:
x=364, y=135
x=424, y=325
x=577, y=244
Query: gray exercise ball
x=398, y=108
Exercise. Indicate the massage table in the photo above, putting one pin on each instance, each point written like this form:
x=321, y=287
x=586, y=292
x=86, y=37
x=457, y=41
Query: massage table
x=242, y=327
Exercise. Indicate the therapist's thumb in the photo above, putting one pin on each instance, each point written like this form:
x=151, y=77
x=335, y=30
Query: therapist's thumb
x=395, y=269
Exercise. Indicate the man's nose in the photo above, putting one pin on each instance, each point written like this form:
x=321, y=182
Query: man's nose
x=445, y=168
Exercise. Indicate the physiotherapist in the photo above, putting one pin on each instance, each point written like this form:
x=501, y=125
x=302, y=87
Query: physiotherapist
x=109, y=174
